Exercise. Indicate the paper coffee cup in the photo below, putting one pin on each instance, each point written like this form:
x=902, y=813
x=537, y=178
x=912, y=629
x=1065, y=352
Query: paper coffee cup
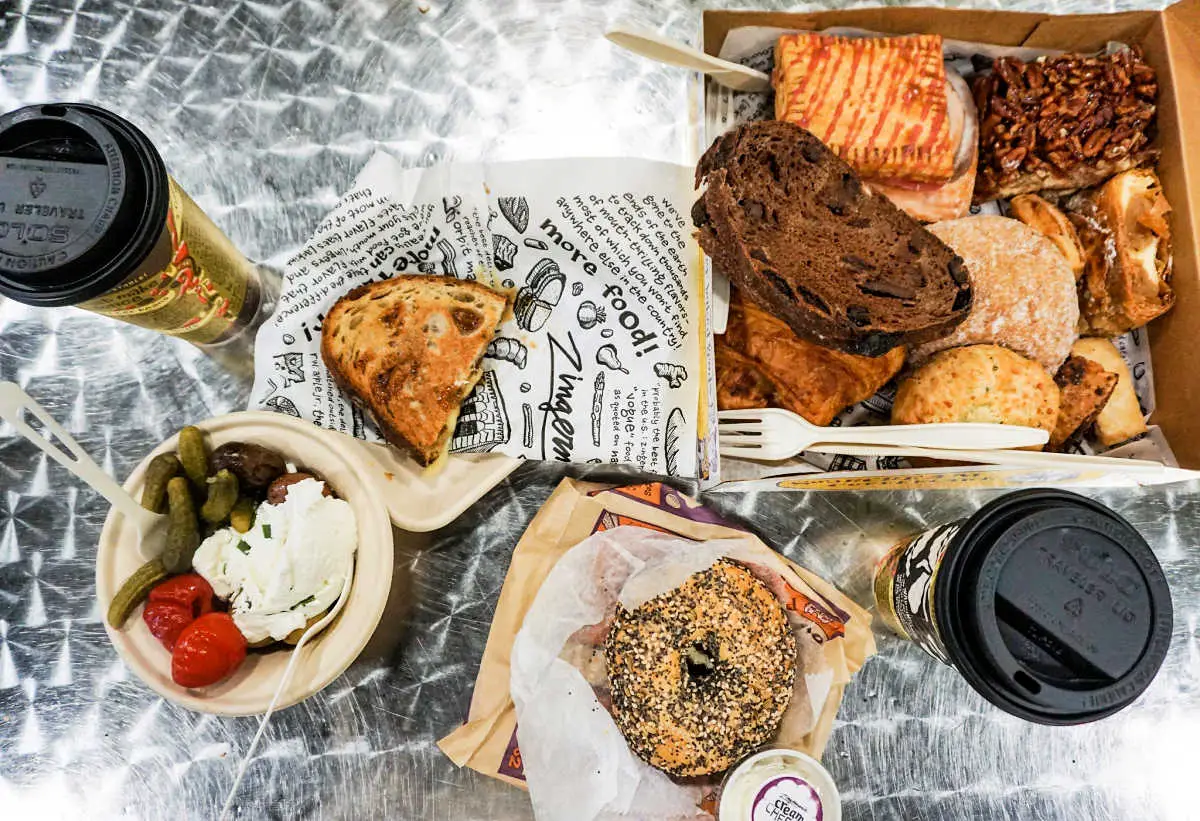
x=1051, y=605
x=89, y=217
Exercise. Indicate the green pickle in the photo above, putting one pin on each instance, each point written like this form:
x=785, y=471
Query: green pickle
x=242, y=515
x=162, y=468
x=193, y=455
x=134, y=591
x=183, y=530
x=222, y=496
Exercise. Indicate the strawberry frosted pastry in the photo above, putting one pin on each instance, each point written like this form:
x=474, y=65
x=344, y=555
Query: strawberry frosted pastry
x=879, y=103
x=889, y=107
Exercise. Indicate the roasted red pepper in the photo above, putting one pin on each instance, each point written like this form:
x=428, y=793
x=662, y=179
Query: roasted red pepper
x=176, y=603
x=166, y=621
x=189, y=590
x=208, y=650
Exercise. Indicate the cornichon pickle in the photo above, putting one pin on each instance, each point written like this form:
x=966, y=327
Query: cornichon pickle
x=135, y=589
x=160, y=470
x=242, y=515
x=183, y=531
x=222, y=496
x=193, y=455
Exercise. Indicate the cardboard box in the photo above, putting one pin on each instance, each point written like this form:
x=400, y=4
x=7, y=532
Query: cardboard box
x=1170, y=40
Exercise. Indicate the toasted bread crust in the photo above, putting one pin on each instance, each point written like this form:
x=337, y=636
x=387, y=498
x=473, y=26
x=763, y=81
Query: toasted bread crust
x=1085, y=388
x=408, y=351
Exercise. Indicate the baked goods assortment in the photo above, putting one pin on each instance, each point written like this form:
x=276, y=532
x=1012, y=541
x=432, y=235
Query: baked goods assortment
x=806, y=214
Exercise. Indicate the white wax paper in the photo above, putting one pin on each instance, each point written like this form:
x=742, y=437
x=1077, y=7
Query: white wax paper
x=577, y=764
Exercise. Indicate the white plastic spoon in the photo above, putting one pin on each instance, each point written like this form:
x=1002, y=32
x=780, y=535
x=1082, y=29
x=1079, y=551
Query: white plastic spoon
x=674, y=53
x=284, y=681
x=16, y=406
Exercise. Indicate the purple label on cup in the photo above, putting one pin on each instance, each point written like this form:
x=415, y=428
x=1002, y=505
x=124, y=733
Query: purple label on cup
x=786, y=798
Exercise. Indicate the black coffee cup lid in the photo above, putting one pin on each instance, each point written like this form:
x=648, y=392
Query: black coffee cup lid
x=1053, y=607
x=83, y=200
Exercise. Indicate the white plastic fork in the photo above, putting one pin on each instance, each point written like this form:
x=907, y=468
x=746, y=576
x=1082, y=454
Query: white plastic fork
x=1023, y=459
x=16, y=407
x=771, y=435
x=674, y=53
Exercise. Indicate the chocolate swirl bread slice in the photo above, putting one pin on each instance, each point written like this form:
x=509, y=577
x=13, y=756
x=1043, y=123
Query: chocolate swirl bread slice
x=791, y=224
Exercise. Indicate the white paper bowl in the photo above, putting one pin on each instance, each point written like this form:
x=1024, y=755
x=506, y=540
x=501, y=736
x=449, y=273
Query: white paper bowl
x=338, y=460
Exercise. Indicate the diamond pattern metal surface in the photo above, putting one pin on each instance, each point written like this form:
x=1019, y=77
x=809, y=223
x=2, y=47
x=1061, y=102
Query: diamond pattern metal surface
x=264, y=111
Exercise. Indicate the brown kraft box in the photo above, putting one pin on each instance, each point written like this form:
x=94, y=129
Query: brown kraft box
x=1170, y=41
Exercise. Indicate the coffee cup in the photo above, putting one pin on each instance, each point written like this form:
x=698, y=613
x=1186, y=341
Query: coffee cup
x=1049, y=604
x=89, y=217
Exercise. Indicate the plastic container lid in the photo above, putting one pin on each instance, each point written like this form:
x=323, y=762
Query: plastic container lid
x=84, y=201
x=1053, y=607
x=779, y=783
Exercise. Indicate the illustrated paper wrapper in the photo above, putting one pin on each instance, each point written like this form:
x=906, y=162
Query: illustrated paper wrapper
x=537, y=715
x=602, y=359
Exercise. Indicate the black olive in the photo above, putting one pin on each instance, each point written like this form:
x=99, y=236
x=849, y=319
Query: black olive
x=253, y=465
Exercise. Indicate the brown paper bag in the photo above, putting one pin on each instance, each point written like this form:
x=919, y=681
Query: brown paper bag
x=487, y=742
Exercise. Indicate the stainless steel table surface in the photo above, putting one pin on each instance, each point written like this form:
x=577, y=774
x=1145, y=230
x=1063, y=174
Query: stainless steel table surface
x=264, y=111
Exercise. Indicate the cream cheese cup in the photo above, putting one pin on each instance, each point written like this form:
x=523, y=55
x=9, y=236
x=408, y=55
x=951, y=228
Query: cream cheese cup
x=779, y=785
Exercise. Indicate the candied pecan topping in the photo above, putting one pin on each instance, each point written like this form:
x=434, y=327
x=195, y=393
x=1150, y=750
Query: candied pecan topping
x=1060, y=122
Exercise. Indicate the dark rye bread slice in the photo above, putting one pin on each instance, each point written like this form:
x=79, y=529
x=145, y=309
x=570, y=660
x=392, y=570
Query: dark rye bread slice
x=791, y=224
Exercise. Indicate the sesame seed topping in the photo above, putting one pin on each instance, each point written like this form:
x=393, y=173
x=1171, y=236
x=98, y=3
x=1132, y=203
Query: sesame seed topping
x=701, y=675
